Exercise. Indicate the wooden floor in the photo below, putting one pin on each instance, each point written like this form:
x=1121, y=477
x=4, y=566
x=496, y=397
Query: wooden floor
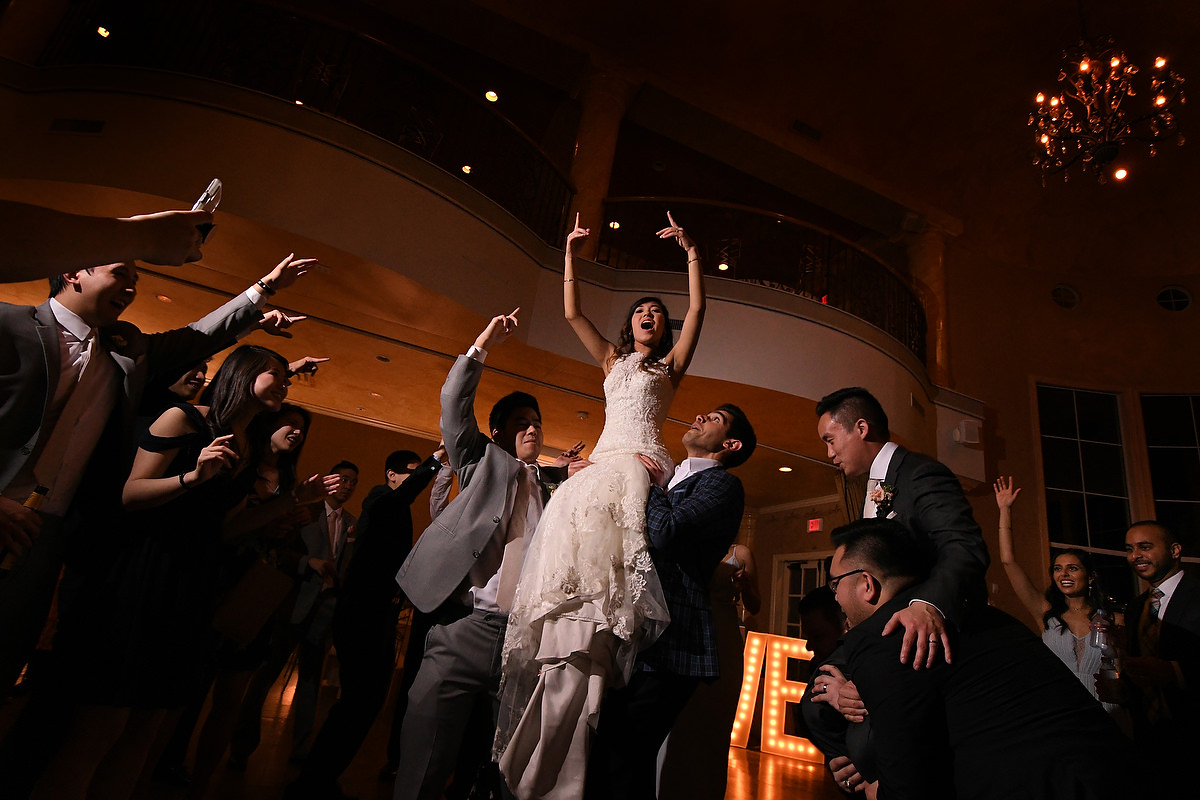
x=752, y=775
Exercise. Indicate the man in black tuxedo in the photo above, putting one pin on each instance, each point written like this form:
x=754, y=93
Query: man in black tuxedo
x=1162, y=663
x=364, y=622
x=692, y=518
x=926, y=499
x=1005, y=719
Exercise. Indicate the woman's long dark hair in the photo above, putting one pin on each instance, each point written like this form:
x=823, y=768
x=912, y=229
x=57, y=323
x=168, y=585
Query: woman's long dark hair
x=233, y=385
x=625, y=339
x=1058, y=600
x=259, y=433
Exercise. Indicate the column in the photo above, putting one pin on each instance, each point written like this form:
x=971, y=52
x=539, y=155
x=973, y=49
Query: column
x=604, y=97
x=926, y=264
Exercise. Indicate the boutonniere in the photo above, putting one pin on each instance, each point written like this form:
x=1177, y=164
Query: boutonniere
x=350, y=537
x=883, y=496
x=551, y=488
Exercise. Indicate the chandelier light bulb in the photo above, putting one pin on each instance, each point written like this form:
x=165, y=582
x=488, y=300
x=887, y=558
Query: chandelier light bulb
x=1084, y=65
x=1041, y=98
x=1054, y=101
x=1116, y=62
x=1160, y=62
x=1121, y=174
x=1160, y=100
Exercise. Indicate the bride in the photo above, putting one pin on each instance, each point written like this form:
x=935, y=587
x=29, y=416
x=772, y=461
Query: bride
x=588, y=597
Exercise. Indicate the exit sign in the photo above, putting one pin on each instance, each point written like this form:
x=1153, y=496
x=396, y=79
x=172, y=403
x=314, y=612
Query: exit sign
x=816, y=525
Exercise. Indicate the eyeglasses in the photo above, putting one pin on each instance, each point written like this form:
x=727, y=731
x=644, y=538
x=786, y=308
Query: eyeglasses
x=833, y=582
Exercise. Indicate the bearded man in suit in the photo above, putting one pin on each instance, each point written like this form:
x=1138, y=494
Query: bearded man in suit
x=692, y=517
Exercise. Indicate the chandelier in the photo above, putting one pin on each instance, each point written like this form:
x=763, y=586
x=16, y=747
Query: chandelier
x=1097, y=109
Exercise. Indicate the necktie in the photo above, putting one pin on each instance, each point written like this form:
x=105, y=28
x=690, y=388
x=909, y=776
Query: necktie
x=1156, y=596
x=1149, y=627
x=335, y=524
x=525, y=513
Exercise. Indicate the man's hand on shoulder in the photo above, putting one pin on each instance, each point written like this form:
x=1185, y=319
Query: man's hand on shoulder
x=926, y=638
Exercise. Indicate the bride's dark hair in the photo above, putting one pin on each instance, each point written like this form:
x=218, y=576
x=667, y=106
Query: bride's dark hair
x=625, y=340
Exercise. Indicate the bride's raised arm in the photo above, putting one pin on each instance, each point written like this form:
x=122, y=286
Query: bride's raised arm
x=685, y=346
x=600, y=348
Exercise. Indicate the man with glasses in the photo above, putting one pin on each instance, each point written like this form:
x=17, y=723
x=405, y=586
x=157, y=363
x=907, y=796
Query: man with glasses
x=1005, y=719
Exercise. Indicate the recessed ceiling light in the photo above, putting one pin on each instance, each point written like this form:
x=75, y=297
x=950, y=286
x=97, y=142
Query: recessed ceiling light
x=1121, y=174
x=299, y=102
x=383, y=359
x=491, y=96
x=375, y=394
x=164, y=298
x=785, y=469
x=466, y=168
x=722, y=266
x=103, y=32
x=614, y=224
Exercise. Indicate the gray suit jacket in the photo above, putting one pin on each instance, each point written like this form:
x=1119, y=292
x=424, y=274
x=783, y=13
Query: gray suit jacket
x=443, y=555
x=316, y=542
x=30, y=367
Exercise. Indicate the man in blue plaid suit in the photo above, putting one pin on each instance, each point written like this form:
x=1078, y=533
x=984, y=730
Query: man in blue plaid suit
x=692, y=517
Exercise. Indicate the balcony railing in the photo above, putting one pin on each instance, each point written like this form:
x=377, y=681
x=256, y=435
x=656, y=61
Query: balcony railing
x=330, y=69
x=771, y=250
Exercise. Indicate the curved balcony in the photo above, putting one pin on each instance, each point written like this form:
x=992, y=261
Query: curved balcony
x=771, y=250
x=332, y=70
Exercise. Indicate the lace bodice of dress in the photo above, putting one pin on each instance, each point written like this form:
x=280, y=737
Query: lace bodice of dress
x=636, y=404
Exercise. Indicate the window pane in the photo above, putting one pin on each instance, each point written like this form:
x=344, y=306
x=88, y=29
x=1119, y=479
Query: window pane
x=1103, y=469
x=1098, y=417
x=1065, y=518
x=1184, y=520
x=1060, y=463
x=1175, y=473
x=1108, y=519
x=1056, y=411
x=1168, y=420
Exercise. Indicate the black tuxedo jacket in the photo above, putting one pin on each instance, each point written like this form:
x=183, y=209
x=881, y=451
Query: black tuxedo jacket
x=1179, y=641
x=928, y=500
x=1006, y=719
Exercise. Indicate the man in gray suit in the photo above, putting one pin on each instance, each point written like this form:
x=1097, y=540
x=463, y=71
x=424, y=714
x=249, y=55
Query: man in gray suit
x=71, y=377
x=464, y=566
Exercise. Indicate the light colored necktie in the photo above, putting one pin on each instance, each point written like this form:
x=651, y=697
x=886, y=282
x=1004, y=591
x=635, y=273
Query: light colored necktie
x=526, y=505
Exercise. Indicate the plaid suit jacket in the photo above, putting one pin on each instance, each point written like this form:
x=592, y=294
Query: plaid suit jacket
x=690, y=529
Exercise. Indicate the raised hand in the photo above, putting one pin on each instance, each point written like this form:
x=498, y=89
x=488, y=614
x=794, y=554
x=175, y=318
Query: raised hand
x=570, y=454
x=276, y=323
x=171, y=238
x=499, y=329
x=578, y=235
x=306, y=365
x=673, y=231
x=214, y=458
x=1006, y=495
x=287, y=271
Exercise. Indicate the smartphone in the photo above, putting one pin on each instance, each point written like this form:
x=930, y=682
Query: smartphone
x=208, y=201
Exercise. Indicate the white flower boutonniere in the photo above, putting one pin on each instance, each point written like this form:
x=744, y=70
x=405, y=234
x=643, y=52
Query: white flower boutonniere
x=883, y=496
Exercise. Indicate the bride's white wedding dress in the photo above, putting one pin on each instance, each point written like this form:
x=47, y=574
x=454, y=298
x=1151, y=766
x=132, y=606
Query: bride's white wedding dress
x=588, y=598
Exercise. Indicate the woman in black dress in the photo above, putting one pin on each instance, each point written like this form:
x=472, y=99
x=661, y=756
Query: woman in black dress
x=141, y=626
